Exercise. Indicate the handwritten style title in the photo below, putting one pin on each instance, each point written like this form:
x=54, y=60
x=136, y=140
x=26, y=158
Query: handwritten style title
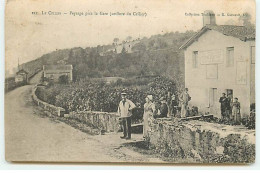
x=89, y=13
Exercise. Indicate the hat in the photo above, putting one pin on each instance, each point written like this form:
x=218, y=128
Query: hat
x=224, y=93
x=236, y=98
x=150, y=97
x=162, y=99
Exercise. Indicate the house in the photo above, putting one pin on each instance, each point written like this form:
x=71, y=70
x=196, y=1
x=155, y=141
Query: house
x=220, y=59
x=118, y=48
x=21, y=76
x=127, y=45
x=55, y=71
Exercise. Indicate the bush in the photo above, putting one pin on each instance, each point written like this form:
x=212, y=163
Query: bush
x=249, y=121
x=99, y=96
x=64, y=79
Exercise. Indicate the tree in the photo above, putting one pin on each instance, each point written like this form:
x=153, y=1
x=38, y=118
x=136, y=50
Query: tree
x=64, y=79
x=116, y=40
x=151, y=43
x=161, y=43
x=140, y=47
x=129, y=38
x=246, y=19
x=123, y=50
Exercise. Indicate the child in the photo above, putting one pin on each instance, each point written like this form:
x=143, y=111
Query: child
x=236, y=112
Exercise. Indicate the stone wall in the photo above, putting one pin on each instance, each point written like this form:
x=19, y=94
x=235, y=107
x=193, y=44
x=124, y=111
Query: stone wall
x=109, y=122
x=192, y=141
x=202, y=142
x=58, y=111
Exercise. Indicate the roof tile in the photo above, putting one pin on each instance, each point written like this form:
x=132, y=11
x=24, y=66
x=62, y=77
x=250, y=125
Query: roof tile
x=242, y=32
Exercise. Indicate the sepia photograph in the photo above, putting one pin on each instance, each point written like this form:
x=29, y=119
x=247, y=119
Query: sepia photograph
x=130, y=82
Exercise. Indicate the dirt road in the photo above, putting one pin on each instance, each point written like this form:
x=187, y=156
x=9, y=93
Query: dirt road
x=30, y=137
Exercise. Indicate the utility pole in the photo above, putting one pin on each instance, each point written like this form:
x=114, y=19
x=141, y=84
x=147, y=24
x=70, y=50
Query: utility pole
x=18, y=64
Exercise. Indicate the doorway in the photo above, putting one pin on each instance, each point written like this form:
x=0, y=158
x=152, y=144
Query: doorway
x=213, y=101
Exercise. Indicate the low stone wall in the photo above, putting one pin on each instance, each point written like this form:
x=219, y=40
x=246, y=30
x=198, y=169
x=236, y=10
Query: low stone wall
x=202, y=142
x=58, y=111
x=108, y=122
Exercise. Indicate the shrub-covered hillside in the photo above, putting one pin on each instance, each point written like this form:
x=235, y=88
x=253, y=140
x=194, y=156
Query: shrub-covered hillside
x=157, y=55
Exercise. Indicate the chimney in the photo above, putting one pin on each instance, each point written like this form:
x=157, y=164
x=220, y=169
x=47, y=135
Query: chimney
x=209, y=18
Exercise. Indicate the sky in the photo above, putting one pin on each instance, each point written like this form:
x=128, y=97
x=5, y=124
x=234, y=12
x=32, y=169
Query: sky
x=29, y=36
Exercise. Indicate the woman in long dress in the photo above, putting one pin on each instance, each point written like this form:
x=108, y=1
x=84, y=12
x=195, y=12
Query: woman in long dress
x=236, y=112
x=184, y=99
x=149, y=111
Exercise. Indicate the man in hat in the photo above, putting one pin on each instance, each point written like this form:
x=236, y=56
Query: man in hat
x=223, y=105
x=163, y=111
x=125, y=111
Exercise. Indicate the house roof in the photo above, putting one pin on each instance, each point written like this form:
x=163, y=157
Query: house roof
x=241, y=32
x=57, y=67
x=21, y=71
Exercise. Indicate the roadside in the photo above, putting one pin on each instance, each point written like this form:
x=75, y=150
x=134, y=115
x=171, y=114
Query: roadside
x=32, y=136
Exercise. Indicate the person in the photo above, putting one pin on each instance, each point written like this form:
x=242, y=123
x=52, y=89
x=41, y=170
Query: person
x=149, y=111
x=228, y=106
x=174, y=105
x=184, y=99
x=125, y=111
x=163, y=111
x=223, y=105
x=236, y=112
x=168, y=100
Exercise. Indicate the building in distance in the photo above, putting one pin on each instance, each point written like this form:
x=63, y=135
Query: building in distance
x=21, y=76
x=54, y=72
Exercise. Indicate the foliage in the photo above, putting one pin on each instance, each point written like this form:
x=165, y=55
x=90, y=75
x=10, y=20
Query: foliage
x=63, y=79
x=246, y=20
x=47, y=94
x=157, y=55
x=249, y=121
x=99, y=96
x=10, y=84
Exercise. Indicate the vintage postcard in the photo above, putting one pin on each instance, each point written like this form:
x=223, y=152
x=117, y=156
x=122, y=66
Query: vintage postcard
x=115, y=81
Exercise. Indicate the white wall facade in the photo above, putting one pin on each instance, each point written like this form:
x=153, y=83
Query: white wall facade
x=19, y=78
x=55, y=74
x=212, y=54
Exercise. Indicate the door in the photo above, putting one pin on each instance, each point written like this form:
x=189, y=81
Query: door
x=213, y=101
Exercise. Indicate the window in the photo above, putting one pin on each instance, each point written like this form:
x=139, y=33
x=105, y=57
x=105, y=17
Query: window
x=252, y=53
x=195, y=61
x=230, y=56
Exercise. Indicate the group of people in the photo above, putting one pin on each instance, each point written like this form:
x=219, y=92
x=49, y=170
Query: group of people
x=230, y=110
x=150, y=111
